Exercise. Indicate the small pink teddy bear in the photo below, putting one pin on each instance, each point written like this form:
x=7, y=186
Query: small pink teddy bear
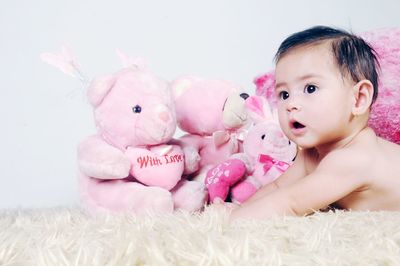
x=267, y=154
x=212, y=114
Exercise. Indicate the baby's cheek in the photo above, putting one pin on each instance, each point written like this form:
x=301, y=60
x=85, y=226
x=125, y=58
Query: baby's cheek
x=283, y=121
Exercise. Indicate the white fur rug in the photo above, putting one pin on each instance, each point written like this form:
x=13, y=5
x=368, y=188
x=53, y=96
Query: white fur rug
x=70, y=237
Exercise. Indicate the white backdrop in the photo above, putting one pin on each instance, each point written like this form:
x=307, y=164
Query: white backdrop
x=44, y=113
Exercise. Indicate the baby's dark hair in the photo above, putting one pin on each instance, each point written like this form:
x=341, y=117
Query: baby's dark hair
x=353, y=55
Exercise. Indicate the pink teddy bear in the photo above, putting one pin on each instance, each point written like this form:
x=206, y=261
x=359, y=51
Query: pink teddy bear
x=267, y=154
x=213, y=114
x=385, y=112
x=129, y=165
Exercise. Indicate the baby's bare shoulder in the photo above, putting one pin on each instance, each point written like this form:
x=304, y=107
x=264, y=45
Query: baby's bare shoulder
x=349, y=161
x=388, y=148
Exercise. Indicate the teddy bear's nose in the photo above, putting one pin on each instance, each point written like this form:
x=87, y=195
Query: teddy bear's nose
x=164, y=116
x=279, y=134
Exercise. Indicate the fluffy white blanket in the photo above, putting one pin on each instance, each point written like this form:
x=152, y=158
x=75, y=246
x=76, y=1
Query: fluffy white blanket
x=70, y=237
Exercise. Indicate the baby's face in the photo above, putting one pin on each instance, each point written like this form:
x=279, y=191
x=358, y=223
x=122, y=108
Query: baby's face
x=314, y=100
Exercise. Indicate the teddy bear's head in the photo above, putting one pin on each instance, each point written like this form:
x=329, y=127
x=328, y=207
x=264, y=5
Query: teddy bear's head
x=205, y=106
x=266, y=136
x=133, y=108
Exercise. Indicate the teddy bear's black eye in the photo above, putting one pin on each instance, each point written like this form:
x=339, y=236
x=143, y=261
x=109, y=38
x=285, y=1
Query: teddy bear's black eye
x=244, y=95
x=289, y=142
x=263, y=137
x=136, y=109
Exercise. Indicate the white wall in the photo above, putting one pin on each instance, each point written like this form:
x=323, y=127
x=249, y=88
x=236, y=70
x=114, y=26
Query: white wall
x=44, y=113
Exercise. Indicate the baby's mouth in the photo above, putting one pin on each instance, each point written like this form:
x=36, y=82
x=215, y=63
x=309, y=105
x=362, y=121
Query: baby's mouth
x=296, y=125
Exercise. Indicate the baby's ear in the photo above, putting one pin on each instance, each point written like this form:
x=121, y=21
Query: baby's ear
x=363, y=93
x=258, y=109
x=99, y=88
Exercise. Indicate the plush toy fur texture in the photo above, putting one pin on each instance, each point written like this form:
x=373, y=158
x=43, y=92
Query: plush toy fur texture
x=71, y=237
x=385, y=112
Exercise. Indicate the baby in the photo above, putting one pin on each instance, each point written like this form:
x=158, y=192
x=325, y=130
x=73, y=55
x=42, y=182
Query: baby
x=326, y=81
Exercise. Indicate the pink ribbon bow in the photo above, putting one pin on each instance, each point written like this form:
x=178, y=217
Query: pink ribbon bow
x=222, y=137
x=268, y=162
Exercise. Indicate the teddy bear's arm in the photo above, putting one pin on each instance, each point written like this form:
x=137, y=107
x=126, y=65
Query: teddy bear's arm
x=245, y=159
x=98, y=159
x=190, y=145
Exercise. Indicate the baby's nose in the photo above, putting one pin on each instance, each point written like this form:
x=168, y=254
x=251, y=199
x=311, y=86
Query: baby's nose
x=293, y=105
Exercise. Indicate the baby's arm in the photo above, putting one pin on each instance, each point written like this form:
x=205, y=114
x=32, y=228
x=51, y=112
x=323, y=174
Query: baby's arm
x=335, y=177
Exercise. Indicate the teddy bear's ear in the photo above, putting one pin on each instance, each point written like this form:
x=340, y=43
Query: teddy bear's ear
x=275, y=116
x=132, y=62
x=182, y=84
x=258, y=109
x=265, y=86
x=99, y=88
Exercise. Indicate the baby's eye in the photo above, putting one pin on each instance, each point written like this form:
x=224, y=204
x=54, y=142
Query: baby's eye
x=310, y=89
x=283, y=95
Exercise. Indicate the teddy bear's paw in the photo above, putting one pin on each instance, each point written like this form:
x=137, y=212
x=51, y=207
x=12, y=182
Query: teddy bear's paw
x=107, y=170
x=123, y=196
x=158, y=200
x=245, y=159
x=192, y=159
x=221, y=177
x=100, y=160
x=189, y=195
x=243, y=191
x=230, y=172
x=140, y=199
